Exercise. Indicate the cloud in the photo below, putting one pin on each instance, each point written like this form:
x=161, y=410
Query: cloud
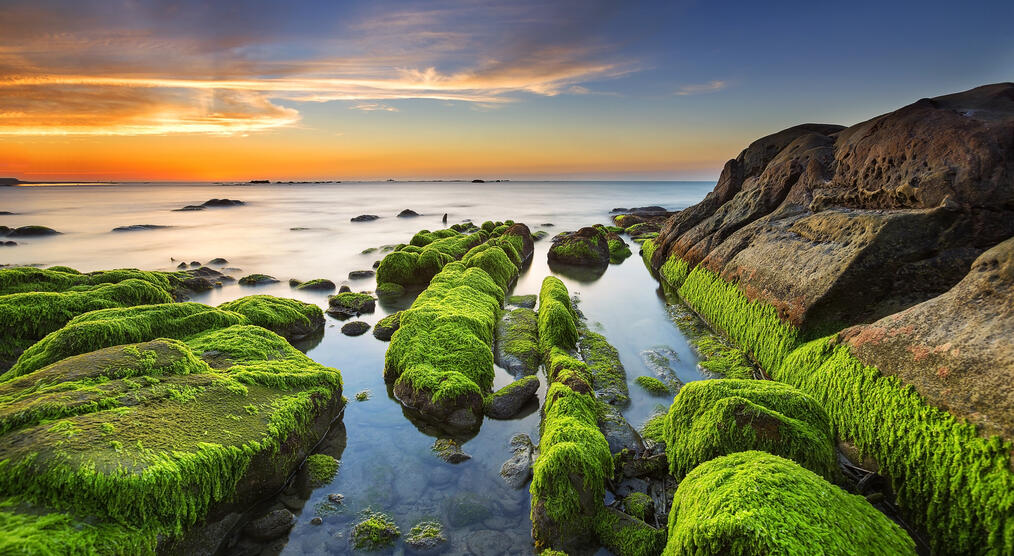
x=373, y=107
x=702, y=88
x=189, y=67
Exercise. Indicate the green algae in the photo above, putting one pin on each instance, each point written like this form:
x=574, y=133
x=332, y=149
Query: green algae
x=722, y=359
x=257, y=279
x=57, y=279
x=557, y=323
x=954, y=483
x=425, y=532
x=712, y=418
x=652, y=385
x=427, y=253
x=628, y=536
x=654, y=427
x=315, y=284
x=289, y=318
x=608, y=377
x=28, y=316
x=27, y=528
x=517, y=337
x=374, y=532
x=321, y=468
x=757, y=503
x=638, y=504
x=108, y=327
x=390, y=289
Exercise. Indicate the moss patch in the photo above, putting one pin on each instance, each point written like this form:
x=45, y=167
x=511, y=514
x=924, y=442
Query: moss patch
x=289, y=318
x=712, y=418
x=374, y=532
x=652, y=385
x=757, y=503
x=321, y=468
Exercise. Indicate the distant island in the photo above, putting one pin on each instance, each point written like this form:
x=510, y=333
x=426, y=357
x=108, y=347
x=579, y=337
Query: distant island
x=10, y=181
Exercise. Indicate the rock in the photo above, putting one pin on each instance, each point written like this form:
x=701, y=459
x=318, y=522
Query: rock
x=466, y=508
x=444, y=219
x=270, y=526
x=525, y=301
x=139, y=227
x=182, y=266
x=222, y=203
x=517, y=348
x=449, y=450
x=195, y=264
x=660, y=360
x=8, y=243
x=407, y=213
x=355, y=328
x=360, y=274
x=257, y=280
x=349, y=304
x=585, y=247
x=375, y=265
x=527, y=243
x=517, y=471
x=335, y=498
x=390, y=289
x=507, y=401
x=386, y=327
x=198, y=284
x=317, y=284
x=316, y=520
x=344, y=288
x=426, y=537
x=218, y=261
x=365, y=218
x=189, y=208
x=949, y=349
x=374, y=532
x=31, y=231
x=489, y=543
x=618, y=432
x=540, y=234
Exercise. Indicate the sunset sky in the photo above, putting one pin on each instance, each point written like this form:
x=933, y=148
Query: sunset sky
x=134, y=90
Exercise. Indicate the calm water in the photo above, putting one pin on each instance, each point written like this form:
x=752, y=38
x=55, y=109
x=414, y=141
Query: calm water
x=387, y=464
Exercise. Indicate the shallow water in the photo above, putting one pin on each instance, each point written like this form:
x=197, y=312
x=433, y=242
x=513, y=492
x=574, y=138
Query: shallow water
x=387, y=464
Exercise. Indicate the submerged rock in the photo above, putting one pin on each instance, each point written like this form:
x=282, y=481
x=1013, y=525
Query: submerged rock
x=270, y=526
x=31, y=231
x=218, y=261
x=355, y=328
x=517, y=348
x=618, y=432
x=507, y=401
x=386, y=327
x=449, y=450
x=426, y=537
x=374, y=532
x=517, y=471
x=360, y=274
x=525, y=301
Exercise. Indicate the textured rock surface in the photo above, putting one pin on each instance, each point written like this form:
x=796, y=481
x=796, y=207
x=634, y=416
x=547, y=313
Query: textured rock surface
x=955, y=349
x=897, y=207
x=585, y=247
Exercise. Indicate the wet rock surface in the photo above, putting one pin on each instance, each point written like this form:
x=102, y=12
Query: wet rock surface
x=516, y=346
x=517, y=470
x=365, y=218
x=585, y=247
x=271, y=526
x=449, y=450
x=508, y=401
x=355, y=328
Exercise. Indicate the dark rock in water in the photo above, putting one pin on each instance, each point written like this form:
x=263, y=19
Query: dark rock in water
x=8, y=243
x=349, y=304
x=270, y=526
x=7, y=213
x=198, y=284
x=585, y=247
x=539, y=235
x=218, y=261
x=387, y=326
x=662, y=361
x=139, y=227
x=527, y=244
x=517, y=471
x=31, y=231
x=365, y=218
x=444, y=220
x=257, y=280
x=344, y=288
x=376, y=265
x=618, y=432
x=222, y=203
x=525, y=301
x=189, y=208
x=360, y=274
x=449, y=450
x=517, y=335
x=616, y=210
x=316, y=520
x=407, y=213
x=478, y=181
x=653, y=210
x=507, y=401
x=318, y=285
x=195, y=264
x=182, y=266
x=294, y=282
x=355, y=328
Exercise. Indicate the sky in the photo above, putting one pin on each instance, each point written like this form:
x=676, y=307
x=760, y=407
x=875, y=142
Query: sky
x=128, y=90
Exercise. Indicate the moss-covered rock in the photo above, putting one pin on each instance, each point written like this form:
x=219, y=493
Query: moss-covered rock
x=427, y=253
x=374, y=531
x=626, y=535
x=653, y=385
x=712, y=418
x=317, y=284
x=350, y=304
x=608, y=377
x=288, y=318
x=425, y=537
x=321, y=469
x=507, y=401
x=585, y=247
x=517, y=342
x=755, y=503
x=390, y=289
x=58, y=279
x=257, y=280
x=525, y=301
x=149, y=438
x=31, y=231
x=387, y=326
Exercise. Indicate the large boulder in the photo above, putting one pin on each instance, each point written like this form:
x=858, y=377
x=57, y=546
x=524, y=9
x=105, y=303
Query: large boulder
x=865, y=208
x=585, y=247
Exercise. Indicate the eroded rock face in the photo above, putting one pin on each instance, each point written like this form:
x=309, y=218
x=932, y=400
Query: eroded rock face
x=897, y=208
x=955, y=349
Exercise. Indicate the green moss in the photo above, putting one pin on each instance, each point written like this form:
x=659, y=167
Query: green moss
x=638, y=504
x=949, y=480
x=757, y=503
x=647, y=250
x=721, y=358
x=518, y=339
x=321, y=468
x=618, y=250
x=108, y=327
x=428, y=253
x=390, y=289
x=654, y=427
x=257, y=279
x=362, y=395
x=674, y=271
x=425, y=531
x=494, y=261
x=57, y=279
x=652, y=385
x=557, y=324
x=287, y=317
x=639, y=229
x=754, y=325
x=29, y=316
x=627, y=536
x=712, y=418
x=355, y=302
x=488, y=226
x=315, y=284
x=608, y=377
x=374, y=532
x=27, y=528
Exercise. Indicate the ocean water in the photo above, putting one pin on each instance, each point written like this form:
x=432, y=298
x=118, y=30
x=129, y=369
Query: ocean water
x=304, y=231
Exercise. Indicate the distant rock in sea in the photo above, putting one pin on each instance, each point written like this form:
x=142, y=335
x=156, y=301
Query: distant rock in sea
x=139, y=227
x=478, y=181
x=27, y=231
x=407, y=213
x=211, y=203
x=260, y=181
x=366, y=218
x=9, y=181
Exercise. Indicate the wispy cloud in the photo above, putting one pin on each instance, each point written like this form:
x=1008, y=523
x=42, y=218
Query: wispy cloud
x=166, y=70
x=702, y=88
